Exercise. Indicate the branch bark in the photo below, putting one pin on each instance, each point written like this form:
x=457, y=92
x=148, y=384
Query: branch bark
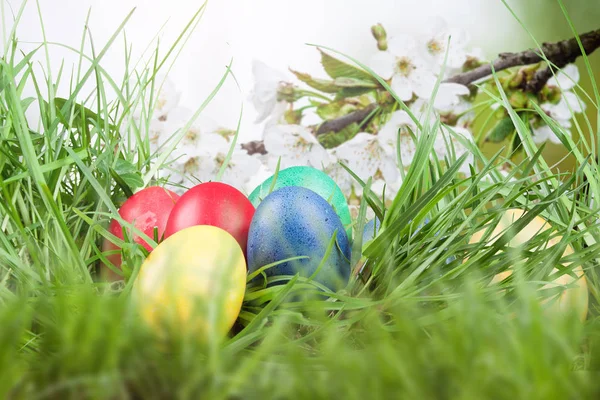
x=558, y=54
x=336, y=125
x=255, y=147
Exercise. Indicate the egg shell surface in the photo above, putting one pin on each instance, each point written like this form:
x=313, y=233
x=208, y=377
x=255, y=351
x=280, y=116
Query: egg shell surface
x=147, y=209
x=216, y=204
x=309, y=178
x=194, y=276
x=575, y=297
x=371, y=229
x=295, y=221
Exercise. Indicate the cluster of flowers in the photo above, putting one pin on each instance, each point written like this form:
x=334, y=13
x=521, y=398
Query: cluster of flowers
x=202, y=149
x=410, y=64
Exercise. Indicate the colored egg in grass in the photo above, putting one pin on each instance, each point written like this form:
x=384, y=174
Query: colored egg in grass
x=572, y=298
x=193, y=283
x=294, y=221
x=216, y=204
x=370, y=230
x=146, y=210
x=309, y=178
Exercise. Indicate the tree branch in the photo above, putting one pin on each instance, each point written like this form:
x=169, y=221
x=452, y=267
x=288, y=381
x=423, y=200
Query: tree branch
x=337, y=124
x=255, y=147
x=558, y=54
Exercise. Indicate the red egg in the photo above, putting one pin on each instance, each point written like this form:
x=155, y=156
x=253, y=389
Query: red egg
x=147, y=209
x=216, y=204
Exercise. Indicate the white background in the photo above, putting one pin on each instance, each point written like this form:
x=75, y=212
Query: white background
x=274, y=31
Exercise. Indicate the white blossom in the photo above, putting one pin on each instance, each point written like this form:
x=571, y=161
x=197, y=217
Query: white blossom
x=264, y=95
x=442, y=39
x=407, y=69
x=193, y=142
x=449, y=95
x=340, y=176
x=562, y=112
x=365, y=156
x=566, y=79
x=296, y=145
x=388, y=137
x=156, y=131
x=544, y=133
x=207, y=161
x=240, y=168
x=262, y=174
x=389, y=188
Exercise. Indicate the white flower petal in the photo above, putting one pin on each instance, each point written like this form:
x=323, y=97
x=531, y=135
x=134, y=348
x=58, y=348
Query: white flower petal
x=447, y=95
x=402, y=86
x=258, y=177
x=557, y=111
x=388, y=134
x=267, y=82
x=423, y=82
x=296, y=145
x=570, y=98
x=401, y=45
x=476, y=53
x=168, y=97
x=566, y=78
x=408, y=149
x=382, y=63
x=542, y=134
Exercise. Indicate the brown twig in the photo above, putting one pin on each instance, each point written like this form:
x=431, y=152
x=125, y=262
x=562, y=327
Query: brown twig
x=337, y=124
x=558, y=54
x=255, y=147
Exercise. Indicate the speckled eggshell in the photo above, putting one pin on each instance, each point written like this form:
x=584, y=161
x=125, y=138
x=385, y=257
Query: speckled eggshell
x=295, y=221
x=309, y=178
x=370, y=230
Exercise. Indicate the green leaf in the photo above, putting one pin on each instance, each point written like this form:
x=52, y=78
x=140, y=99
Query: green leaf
x=339, y=69
x=322, y=85
x=126, y=176
x=334, y=139
x=353, y=83
x=352, y=92
x=334, y=109
x=78, y=109
x=501, y=131
x=25, y=103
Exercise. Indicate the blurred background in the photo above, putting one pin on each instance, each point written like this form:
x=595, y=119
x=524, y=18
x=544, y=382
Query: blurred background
x=276, y=32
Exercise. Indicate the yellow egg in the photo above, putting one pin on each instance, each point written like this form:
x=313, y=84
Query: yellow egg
x=193, y=283
x=575, y=297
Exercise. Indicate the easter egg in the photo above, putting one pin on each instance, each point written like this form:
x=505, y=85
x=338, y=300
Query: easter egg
x=309, y=178
x=216, y=204
x=370, y=230
x=192, y=283
x=145, y=210
x=573, y=298
x=295, y=221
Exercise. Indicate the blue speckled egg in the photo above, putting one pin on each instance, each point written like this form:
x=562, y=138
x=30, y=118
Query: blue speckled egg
x=371, y=229
x=310, y=178
x=295, y=221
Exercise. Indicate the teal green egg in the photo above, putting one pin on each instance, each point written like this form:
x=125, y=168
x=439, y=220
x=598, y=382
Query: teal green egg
x=308, y=178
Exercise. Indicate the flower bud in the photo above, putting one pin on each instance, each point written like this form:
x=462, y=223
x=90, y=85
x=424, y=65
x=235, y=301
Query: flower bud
x=518, y=99
x=293, y=117
x=380, y=35
x=288, y=93
x=553, y=94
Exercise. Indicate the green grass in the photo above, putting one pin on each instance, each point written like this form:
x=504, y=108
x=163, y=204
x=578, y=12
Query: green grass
x=410, y=326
